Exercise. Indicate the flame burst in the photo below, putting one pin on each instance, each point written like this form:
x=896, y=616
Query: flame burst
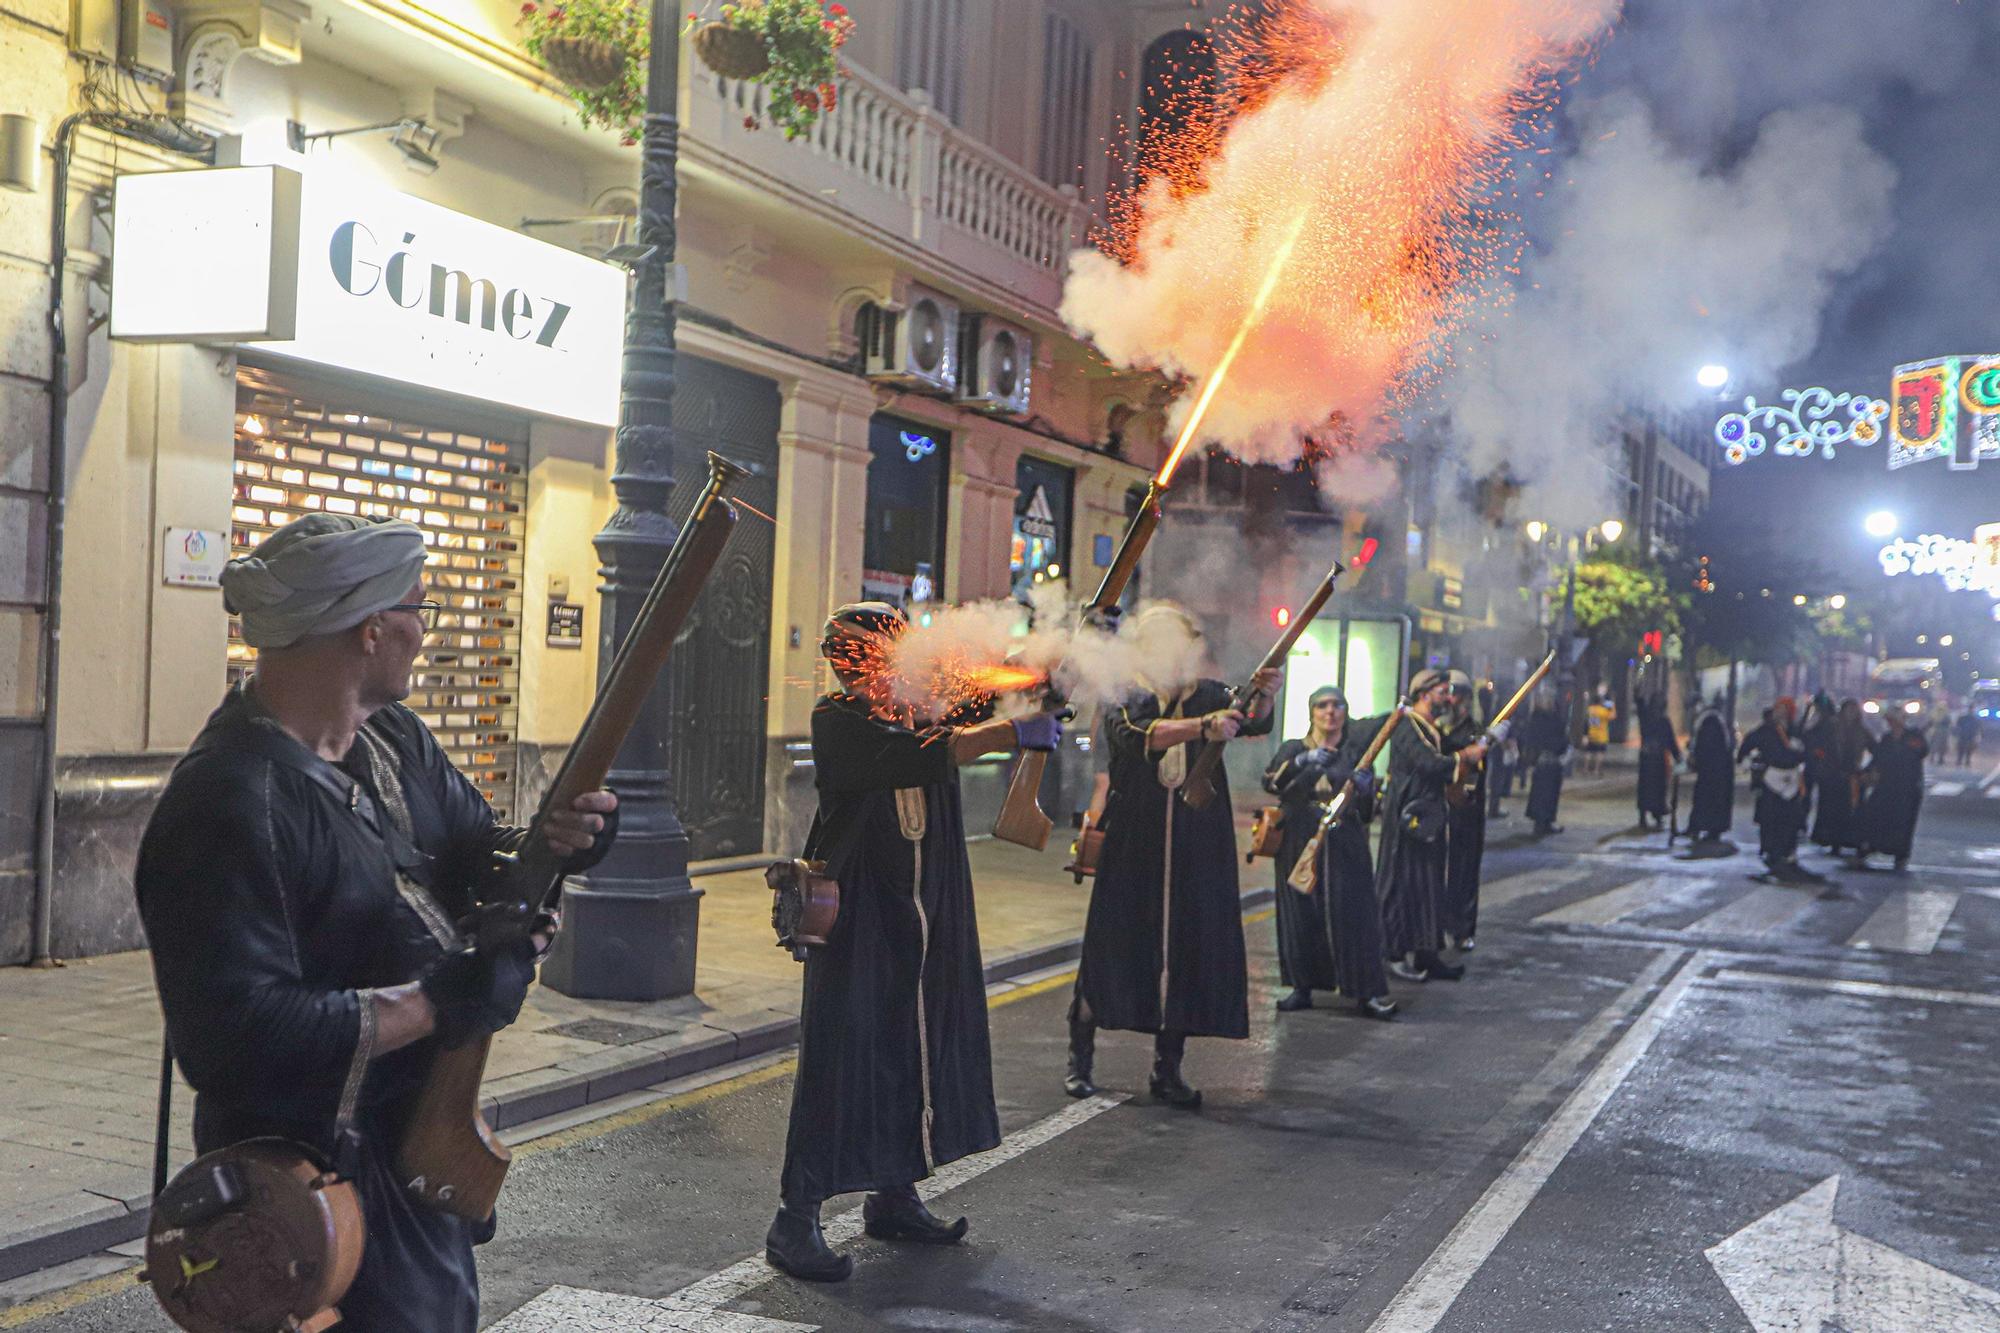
x=1370, y=134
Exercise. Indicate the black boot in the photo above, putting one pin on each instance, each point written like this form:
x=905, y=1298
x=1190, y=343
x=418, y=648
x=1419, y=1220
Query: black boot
x=796, y=1245
x=1082, y=1055
x=1377, y=1007
x=1436, y=969
x=1166, y=1083
x=899, y=1214
x=1300, y=998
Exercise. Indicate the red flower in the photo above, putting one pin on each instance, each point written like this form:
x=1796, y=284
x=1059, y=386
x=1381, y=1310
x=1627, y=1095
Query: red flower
x=627, y=142
x=692, y=16
x=838, y=11
x=749, y=122
x=527, y=7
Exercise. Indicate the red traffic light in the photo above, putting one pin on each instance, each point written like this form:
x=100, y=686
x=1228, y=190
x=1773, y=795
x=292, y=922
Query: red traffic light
x=1652, y=642
x=1281, y=616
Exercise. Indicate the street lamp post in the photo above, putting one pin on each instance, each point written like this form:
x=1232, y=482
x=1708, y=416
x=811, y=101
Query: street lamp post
x=629, y=929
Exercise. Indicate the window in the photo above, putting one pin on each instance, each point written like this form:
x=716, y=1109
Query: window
x=1039, y=550
x=1067, y=68
x=930, y=53
x=902, y=551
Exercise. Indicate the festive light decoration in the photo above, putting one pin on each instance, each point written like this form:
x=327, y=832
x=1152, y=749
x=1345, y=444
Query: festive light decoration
x=916, y=446
x=1962, y=565
x=1809, y=421
x=1947, y=408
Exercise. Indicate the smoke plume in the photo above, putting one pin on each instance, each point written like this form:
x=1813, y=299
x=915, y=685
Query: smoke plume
x=1383, y=132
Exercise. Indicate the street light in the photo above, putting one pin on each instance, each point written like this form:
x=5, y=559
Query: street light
x=1712, y=376
x=1945, y=641
x=1798, y=599
x=1837, y=601
x=1612, y=529
x=1537, y=530
x=1881, y=523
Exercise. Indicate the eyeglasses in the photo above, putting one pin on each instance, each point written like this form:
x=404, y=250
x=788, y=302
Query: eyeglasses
x=424, y=611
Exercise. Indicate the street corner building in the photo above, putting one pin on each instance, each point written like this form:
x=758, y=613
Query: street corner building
x=361, y=258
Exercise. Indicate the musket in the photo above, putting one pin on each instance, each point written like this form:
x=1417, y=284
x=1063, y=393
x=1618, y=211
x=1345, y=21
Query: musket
x=1305, y=872
x=1199, y=788
x=1459, y=790
x=1021, y=820
x=449, y=1156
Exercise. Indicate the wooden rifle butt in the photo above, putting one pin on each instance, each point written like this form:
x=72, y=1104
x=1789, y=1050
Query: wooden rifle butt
x=450, y=1158
x=1021, y=820
x=1305, y=871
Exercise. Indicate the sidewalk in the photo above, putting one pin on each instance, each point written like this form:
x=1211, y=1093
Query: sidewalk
x=80, y=1047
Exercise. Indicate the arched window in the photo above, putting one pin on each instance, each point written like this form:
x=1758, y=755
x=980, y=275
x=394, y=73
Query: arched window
x=1177, y=90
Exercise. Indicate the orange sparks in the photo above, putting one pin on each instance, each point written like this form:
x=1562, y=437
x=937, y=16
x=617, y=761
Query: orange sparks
x=1003, y=679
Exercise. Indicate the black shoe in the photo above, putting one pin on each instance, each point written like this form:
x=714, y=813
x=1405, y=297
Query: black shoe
x=1082, y=1056
x=1300, y=998
x=1902, y=863
x=1436, y=969
x=1467, y=945
x=1167, y=1086
x=795, y=1245
x=1402, y=971
x=1376, y=1007
x=904, y=1217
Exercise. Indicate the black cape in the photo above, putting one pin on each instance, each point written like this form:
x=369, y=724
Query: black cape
x=895, y=1071
x=1332, y=939
x=273, y=907
x=1465, y=842
x=1889, y=819
x=1139, y=911
x=1773, y=753
x=1838, y=754
x=1713, y=807
x=1659, y=751
x=1546, y=737
x=1409, y=871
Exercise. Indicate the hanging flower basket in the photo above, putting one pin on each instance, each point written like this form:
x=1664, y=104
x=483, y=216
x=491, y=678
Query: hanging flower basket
x=734, y=53
x=588, y=63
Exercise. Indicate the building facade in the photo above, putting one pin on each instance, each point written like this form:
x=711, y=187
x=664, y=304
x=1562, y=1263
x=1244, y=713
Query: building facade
x=938, y=201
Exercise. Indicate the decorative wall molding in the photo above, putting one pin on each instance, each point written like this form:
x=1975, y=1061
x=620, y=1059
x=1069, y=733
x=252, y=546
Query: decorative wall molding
x=218, y=33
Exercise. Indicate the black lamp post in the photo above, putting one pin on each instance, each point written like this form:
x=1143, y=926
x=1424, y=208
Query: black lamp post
x=629, y=929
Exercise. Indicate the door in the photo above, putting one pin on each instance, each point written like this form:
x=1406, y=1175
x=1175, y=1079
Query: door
x=717, y=675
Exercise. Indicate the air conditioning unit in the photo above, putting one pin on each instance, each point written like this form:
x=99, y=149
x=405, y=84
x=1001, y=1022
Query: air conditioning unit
x=916, y=344
x=998, y=365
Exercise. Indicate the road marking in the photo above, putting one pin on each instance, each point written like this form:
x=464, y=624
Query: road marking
x=1796, y=1269
x=1432, y=1289
x=1947, y=788
x=1758, y=912
x=696, y=1308
x=1907, y=922
x=1604, y=908
x=1527, y=883
x=1874, y=990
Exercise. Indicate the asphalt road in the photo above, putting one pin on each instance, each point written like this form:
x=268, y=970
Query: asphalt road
x=1667, y=1097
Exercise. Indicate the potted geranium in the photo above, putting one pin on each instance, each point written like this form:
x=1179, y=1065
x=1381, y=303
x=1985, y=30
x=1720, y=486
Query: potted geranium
x=598, y=48
x=788, y=46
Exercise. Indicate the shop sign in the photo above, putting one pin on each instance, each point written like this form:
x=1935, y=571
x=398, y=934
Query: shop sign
x=381, y=283
x=565, y=624
x=193, y=558
x=1040, y=519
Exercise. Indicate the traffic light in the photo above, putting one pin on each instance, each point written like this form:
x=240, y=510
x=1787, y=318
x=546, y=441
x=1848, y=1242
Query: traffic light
x=1652, y=643
x=1281, y=616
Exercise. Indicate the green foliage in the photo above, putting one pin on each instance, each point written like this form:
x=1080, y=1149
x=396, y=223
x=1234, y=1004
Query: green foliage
x=802, y=37
x=622, y=23
x=1618, y=599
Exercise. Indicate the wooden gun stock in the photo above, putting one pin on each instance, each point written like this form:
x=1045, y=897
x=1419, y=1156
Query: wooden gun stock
x=1021, y=820
x=1199, y=789
x=1305, y=871
x=449, y=1157
x=1458, y=791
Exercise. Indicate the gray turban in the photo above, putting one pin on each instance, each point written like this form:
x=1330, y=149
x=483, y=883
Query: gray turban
x=321, y=574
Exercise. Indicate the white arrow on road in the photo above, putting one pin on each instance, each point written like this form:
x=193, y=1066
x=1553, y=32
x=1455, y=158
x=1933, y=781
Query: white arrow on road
x=1795, y=1270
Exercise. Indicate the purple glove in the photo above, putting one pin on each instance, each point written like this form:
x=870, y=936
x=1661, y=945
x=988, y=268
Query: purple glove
x=1038, y=731
x=1364, y=782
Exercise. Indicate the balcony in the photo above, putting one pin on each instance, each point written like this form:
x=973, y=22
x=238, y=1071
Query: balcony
x=889, y=166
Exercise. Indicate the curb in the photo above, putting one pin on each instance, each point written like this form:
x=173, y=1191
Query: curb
x=116, y=1222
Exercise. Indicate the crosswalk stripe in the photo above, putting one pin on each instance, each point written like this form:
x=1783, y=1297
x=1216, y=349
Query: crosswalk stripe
x=1947, y=788
x=1756, y=913
x=1527, y=883
x=1604, y=908
x=1908, y=922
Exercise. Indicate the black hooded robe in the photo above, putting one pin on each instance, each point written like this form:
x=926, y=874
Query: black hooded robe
x=1465, y=842
x=1779, y=816
x=895, y=1072
x=1889, y=818
x=1713, y=808
x=1546, y=736
x=273, y=908
x=1332, y=939
x=1163, y=944
x=1659, y=751
x=1409, y=871
x=1837, y=817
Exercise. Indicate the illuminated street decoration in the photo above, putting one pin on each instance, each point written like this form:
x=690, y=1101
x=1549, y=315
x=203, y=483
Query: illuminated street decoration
x=1808, y=422
x=1963, y=565
x=915, y=446
x=1946, y=408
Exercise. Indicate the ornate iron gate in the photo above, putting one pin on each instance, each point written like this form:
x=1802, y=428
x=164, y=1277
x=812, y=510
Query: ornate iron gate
x=717, y=678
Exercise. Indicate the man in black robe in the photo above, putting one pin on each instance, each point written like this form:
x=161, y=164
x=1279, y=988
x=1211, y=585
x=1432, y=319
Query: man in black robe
x=1330, y=939
x=1840, y=751
x=299, y=883
x=1465, y=819
x=1163, y=943
x=1777, y=772
x=895, y=1073
x=1889, y=818
x=1712, y=753
x=1544, y=743
x=1410, y=867
x=1659, y=751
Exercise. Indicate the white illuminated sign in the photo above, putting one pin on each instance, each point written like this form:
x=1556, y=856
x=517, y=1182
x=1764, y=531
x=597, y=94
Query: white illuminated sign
x=203, y=256
x=390, y=285
x=1963, y=565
